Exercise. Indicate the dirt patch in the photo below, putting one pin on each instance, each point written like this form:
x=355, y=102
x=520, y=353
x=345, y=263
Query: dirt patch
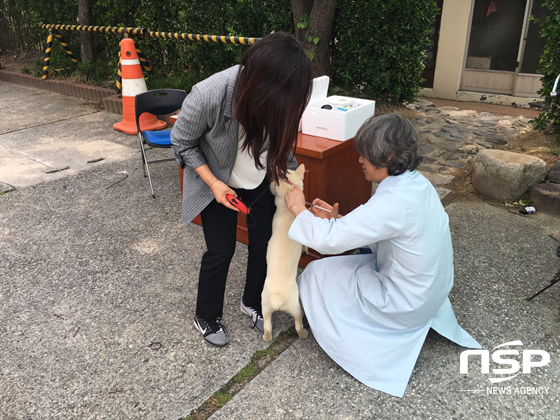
x=16, y=61
x=534, y=143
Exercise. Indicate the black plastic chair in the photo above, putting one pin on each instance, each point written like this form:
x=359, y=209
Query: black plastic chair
x=157, y=102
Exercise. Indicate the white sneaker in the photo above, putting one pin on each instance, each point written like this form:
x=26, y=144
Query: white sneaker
x=256, y=318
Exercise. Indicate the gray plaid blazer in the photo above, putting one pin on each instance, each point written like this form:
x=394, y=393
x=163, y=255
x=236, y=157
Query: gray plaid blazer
x=207, y=132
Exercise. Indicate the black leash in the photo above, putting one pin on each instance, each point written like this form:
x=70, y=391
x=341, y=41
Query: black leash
x=250, y=205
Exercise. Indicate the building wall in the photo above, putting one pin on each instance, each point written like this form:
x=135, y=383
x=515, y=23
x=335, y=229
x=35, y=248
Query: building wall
x=451, y=56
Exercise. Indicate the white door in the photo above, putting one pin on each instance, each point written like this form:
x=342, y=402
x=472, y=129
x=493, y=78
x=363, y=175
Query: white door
x=504, y=48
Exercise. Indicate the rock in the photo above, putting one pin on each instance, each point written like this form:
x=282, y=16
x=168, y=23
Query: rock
x=448, y=129
x=496, y=139
x=470, y=148
x=427, y=149
x=480, y=133
x=453, y=164
x=430, y=120
x=486, y=114
x=458, y=114
x=425, y=168
x=459, y=135
x=504, y=123
x=448, y=108
x=554, y=174
x=439, y=134
x=451, y=146
x=450, y=125
x=546, y=198
x=429, y=159
x=506, y=176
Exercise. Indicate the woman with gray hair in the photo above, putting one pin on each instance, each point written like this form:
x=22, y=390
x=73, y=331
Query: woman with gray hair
x=372, y=312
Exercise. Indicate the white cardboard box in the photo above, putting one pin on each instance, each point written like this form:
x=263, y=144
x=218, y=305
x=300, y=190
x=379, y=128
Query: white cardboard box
x=333, y=123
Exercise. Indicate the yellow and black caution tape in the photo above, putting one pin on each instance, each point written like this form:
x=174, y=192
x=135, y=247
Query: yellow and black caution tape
x=65, y=46
x=47, y=59
x=103, y=29
x=238, y=40
x=207, y=38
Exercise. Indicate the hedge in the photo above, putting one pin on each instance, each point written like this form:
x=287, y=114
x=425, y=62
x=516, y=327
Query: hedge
x=378, y=46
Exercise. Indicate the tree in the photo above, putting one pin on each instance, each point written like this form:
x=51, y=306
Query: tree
x=313, y=20
x=86, y=38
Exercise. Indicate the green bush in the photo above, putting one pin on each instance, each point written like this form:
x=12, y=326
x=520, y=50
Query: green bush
x=379, y=47
x=550, y=69
x=184, y=80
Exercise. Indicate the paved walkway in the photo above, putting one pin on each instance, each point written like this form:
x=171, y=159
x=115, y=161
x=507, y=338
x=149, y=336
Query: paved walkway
x=98, y=286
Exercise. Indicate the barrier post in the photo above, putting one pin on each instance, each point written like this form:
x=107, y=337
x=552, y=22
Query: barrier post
x=65, y=46
x=47, y=59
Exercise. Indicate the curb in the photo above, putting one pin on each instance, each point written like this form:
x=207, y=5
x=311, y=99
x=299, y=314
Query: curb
x=89, y=93
x=111, y=101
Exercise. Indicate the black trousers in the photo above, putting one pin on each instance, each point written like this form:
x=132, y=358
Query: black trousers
x=220, y=226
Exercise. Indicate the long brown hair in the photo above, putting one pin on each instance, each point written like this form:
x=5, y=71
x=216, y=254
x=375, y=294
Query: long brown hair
x=271, y=92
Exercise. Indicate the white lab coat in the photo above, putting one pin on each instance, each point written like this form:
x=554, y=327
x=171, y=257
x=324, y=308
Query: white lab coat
x=371, y=313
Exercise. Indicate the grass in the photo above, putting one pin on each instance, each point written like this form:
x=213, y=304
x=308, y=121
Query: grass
x=220, y=399
x=259, y=361
x=245, y=374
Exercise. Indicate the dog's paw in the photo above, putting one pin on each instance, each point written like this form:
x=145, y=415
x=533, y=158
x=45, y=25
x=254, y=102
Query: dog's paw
x=268, y=336
x=302, y=334
x=304, y=251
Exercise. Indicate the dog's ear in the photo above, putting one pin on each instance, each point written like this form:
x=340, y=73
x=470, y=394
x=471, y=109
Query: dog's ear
x=300, y=171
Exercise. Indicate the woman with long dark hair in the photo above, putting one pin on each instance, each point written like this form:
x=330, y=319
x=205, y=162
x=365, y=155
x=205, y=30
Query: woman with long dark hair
x=234, y=135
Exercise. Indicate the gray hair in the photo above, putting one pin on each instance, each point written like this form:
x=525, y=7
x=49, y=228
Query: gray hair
x=389, y=141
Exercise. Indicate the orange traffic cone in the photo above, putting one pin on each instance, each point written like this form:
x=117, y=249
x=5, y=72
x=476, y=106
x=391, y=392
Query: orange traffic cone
x=133, y=83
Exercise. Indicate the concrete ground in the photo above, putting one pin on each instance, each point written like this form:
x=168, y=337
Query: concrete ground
x=98, y=286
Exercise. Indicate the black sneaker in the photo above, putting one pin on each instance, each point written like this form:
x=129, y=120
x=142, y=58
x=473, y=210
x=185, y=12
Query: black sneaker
x=213, y=331
x=256, y=318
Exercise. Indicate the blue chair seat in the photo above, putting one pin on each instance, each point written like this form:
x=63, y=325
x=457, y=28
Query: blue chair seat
x=159, y=138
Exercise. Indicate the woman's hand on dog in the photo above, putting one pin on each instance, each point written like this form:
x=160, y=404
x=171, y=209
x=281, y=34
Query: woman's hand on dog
x=295, y=201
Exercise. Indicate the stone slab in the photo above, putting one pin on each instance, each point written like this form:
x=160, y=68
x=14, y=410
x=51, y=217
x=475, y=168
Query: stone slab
x=494, y=271
x=40, y=107
x=94, y=271
x=38, y=153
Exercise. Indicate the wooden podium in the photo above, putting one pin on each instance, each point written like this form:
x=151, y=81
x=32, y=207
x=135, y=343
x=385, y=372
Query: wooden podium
x=332, y=173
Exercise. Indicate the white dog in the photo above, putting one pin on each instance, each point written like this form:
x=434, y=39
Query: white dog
x=280, y=292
